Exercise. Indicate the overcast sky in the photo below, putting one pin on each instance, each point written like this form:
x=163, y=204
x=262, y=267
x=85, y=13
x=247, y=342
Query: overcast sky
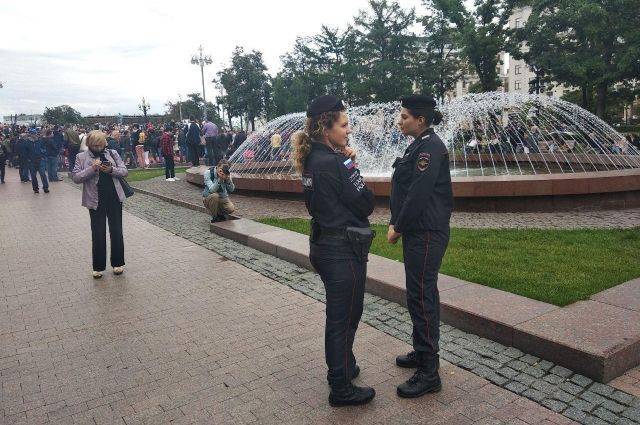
x=102, y=57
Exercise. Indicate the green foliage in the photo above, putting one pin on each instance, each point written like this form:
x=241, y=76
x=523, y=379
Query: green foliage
x=384, y=45
x=192, y=107
x=554, y=266
x=480, y=32
x=372, y=60
x=618, y=98
x=246, y=83
x=63, y=114
x=438, y=64
x=589, y=44
x=138, y=175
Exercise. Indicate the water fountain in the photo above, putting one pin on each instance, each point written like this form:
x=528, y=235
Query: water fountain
x=507, y=151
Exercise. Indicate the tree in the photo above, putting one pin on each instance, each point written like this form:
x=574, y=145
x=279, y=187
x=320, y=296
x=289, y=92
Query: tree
x=384, y=47
x=481, y=33
x=317, y=65
x=590, y=44
x=192, y=107
x=63, y=114
x=438, y=64
x=247, y=85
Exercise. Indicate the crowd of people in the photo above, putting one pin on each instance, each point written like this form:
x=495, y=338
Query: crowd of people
x=45, y=150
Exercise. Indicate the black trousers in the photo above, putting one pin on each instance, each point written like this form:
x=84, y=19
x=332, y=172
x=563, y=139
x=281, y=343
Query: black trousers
x=423, y=254
x=344, y=281
x=169, y=167
x=108, y=210
x=2, y=168
x=39, y=167
x=73, y=152
x=195, y=154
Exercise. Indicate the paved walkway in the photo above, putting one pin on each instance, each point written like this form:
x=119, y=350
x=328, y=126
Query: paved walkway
x=258, y=207
x=184, y=336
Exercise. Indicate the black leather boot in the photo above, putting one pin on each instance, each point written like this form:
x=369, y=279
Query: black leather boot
x=350, y=395
x=408, y=361
x=356, y=372
x=425, y=380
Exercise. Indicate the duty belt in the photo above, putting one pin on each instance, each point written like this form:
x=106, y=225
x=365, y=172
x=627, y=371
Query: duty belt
x=331, y=233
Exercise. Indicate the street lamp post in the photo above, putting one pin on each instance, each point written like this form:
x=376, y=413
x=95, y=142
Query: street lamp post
x=144, y=107
x=202, y=60
x=180, y=106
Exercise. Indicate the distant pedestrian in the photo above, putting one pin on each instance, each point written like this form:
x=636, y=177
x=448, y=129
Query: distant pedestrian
x=4, y=153
x=99, y=170
x=24, y=160
x=166, y=147
x=193, y=141
x=73, y=146
x=37, y=154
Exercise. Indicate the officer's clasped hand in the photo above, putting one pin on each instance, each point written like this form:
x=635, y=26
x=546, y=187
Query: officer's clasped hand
x=349, y=152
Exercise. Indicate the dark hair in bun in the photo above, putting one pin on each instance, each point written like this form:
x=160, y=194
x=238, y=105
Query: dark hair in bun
x=431, y=115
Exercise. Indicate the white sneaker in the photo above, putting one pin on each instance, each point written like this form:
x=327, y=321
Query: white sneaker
x=177, y=179
x=118, y=270
x=97, y=275
x=170, y=180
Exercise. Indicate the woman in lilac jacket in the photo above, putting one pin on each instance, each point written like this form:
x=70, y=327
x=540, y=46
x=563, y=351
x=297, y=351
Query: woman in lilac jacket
x=99, y=170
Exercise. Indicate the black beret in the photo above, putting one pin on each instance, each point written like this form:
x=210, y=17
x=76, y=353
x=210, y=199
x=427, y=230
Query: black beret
x=418, y=101
x=325, y=103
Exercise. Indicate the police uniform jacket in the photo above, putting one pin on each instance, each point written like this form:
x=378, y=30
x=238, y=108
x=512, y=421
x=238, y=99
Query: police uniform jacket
x=421, y=193
x=334, y=192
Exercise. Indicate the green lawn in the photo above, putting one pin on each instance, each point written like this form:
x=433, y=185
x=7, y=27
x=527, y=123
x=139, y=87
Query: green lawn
x=554, y=266
x=137, y=175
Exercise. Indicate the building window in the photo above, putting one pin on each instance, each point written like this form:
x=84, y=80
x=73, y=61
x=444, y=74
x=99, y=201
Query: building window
x=517, y=85
x=464, y=84
x=518, y=23
x=518, y=71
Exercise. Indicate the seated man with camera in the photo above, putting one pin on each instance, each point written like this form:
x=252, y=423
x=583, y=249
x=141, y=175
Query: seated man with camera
x=217, y=187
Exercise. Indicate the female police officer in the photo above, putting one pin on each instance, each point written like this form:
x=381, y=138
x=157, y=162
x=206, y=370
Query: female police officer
x=339, y=204
x=421, y=204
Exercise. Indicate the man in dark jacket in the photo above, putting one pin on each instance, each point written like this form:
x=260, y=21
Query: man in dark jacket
x=22, y=149
x=37, y=153
x=193, y=141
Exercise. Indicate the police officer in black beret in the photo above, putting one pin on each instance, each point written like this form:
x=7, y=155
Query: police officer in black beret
x=339, y=203
x=421, y=204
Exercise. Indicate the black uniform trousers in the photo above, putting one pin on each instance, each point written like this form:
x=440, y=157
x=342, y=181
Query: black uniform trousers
x=109, y=209
x=2, y=167
x=423, y=254
x=344, y=281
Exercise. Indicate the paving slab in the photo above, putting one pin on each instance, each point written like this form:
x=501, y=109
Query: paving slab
x=184, y=336
x=600, y=340
x=626, y=295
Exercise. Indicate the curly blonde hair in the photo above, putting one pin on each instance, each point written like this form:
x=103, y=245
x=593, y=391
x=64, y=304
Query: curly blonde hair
x=313, y=129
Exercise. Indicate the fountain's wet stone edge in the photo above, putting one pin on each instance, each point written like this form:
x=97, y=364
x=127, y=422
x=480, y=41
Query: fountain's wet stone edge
x=617, y=189
x=597, y=338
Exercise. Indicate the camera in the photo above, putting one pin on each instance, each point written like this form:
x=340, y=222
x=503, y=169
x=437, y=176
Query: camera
x=225, y=169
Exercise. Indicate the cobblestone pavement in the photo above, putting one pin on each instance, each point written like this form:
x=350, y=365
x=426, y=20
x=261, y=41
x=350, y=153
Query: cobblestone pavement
x=575, y=396
x=257, y=207
x=186, y=335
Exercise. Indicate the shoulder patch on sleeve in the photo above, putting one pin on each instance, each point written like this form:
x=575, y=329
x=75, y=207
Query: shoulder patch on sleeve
x=307, y=181
x=424, y=159
x=349, y=164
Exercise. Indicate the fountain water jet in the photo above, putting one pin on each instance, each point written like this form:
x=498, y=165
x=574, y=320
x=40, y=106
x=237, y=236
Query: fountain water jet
x=507, y=151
